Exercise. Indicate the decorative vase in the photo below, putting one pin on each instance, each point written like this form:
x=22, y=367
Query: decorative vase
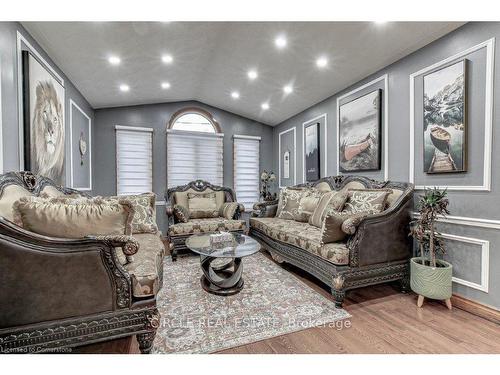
x=431, y=282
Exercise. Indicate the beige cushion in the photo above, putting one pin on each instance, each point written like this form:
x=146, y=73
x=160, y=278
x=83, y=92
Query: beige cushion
x=202, y=205
x=350, y=224
x=332, y=200
x=51, y=192
x=11, y=193
x=181, y=213
x=331, y=231
x=206, y=226
x=144, y=220
x=180, y=197
x=67, y=220
x=288, y=204
x=369, y=200
x=323, y=186
x=308, y=204
x=228, y=210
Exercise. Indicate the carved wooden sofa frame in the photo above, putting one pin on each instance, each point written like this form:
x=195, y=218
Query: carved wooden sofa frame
x=178, y=243
x=379, y=250
x=61, y=293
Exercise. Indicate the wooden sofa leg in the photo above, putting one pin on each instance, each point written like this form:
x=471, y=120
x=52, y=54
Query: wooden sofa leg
x=174, y=254
x=404, y=284
x=338, y=290
x=145, y=341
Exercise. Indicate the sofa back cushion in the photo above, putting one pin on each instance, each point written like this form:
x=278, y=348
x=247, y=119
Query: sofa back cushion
x=74, y=219
x=202, y=205
x=11, y=193
x=144, y=220
x=181, y=197
x=308, y=203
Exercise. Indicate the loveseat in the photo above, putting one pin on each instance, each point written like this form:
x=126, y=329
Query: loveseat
x=181, y=226
x=376, y=247
x=58, y=293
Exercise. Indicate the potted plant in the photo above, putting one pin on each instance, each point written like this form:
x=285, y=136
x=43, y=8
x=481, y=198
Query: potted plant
x=267, y=179
x=430, y=277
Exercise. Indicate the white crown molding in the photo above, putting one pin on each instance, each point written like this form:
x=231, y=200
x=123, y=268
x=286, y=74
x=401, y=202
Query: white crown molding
x=488, y=115
x=308, y=122
x=485, y=261
x=20, y=40
x=71, y=105
x=384, y=78
x=294, y=155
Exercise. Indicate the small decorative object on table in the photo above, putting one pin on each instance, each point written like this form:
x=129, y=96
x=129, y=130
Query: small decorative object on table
x=430, y=277
x=222, y=239
x=267, y=180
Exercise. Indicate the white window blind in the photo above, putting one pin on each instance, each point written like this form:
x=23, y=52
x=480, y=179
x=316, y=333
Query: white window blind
x=194, y=156
x=134, y=155
x=246, y=170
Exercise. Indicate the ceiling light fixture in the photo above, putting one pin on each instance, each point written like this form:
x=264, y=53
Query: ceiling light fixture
x=235, y=95
x=321, y=62
x=280, y=41
x=265, y=106
x=167, y=59
x=114, y=60
x=288, y=89
x=252, y=74
x=124, y=88
x=165, y=85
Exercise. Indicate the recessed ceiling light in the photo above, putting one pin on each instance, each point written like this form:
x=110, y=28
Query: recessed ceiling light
x=280, y=41
x=321, y=62
x=114, y=60
x=252, y=74
x=287, y=89
x=124, y=88
x=165, y=85
x=167, y=59
x=264, y=106
x=235, y=95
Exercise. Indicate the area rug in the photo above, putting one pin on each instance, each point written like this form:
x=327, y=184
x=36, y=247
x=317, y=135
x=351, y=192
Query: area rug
x=273, y=302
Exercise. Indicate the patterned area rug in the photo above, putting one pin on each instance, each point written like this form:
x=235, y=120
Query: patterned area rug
x=273, y=302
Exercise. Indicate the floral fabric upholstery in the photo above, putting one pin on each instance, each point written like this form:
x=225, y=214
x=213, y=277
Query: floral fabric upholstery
x=369, y=200
x=206, y=226
x=147, y=265
x=302, y=235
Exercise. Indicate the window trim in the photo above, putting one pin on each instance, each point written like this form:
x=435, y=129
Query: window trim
x=198, y=111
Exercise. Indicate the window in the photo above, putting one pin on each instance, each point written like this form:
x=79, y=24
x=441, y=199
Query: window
x=134, y=155
x=246, y=170
x=194, y=148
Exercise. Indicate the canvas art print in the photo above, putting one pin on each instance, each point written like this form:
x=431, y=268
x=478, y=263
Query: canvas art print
x=444, y=120
x=44, y=132
x=359, y=133
x=311, y=134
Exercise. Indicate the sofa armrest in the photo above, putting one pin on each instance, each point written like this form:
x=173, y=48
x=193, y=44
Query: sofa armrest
x=45, y=278
x=265, y=209
x=383, y=237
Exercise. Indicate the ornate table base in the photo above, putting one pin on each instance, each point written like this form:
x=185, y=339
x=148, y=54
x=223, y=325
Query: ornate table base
x=223, y=280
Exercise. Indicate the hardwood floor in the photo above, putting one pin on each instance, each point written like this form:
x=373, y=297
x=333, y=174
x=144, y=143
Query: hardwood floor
x=383, y=321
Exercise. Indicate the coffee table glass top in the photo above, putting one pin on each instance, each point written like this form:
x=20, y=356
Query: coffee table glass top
x=242, y=246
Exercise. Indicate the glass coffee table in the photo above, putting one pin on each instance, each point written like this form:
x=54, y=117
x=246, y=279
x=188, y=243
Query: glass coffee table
x=225, y=279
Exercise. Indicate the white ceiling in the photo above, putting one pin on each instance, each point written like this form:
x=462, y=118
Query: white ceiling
x=211, y=59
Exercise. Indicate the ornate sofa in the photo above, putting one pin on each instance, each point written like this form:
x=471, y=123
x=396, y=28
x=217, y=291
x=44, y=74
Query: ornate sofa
x=60, y=293
x=377, y=252
x=178, y=232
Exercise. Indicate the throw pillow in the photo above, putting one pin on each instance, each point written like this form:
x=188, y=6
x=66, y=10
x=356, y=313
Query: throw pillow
x=288, y=205
x=144, y=220
x=57, y=219
x=181, y=213
x=350, y=224
x=202, y=205
x=308, y=204
x=332, y=200
x=369, y=200
x=331, y=230
x=228, y=210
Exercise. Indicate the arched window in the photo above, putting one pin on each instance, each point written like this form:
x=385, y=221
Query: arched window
x=194, y=148
x=194, y=119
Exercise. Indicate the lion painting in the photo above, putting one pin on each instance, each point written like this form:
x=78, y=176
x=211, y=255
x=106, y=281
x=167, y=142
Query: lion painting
x=47, y=132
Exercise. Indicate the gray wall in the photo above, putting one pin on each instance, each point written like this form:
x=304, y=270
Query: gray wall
x=156, y=116
x=10, y=121
x=480, y=205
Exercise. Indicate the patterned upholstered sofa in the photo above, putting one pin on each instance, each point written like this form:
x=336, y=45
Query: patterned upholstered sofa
x=178, y=231
x=60, y=293
x=377, y=251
